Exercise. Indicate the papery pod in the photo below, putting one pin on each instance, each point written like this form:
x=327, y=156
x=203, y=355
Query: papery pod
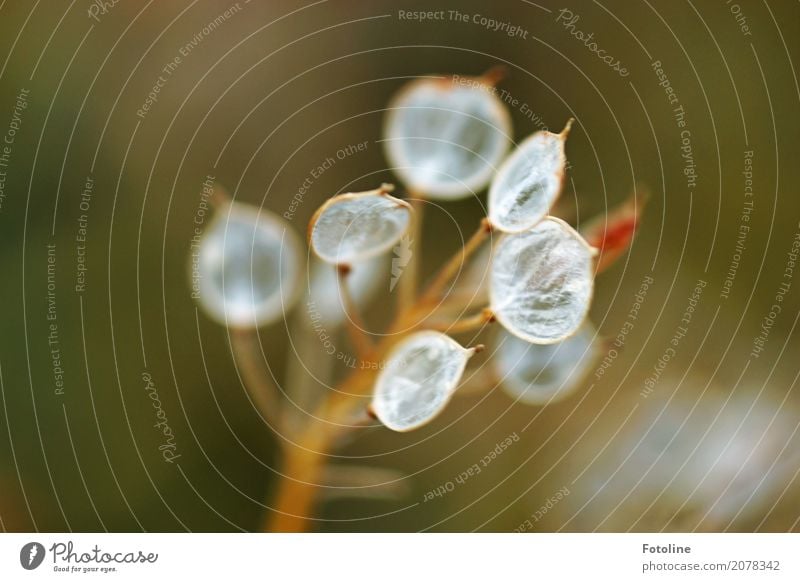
x=245, y=270
x=445, y=137
x=418, y=380
x=352, y=228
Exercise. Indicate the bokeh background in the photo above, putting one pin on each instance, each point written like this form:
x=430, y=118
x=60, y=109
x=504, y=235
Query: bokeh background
x=273, y=91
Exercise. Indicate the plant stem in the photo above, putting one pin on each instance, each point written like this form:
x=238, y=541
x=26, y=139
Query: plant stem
x=303, y=461
x=452, y=267
x=407, y=284
x=263, y=393
x=355, y=323
x=470, y=323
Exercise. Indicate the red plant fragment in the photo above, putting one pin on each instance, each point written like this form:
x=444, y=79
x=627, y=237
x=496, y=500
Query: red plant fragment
x=613, y=233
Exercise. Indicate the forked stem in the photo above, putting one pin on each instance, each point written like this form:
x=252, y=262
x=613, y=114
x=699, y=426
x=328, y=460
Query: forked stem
x=355, y=323
x=303, y=461
x=456, y=262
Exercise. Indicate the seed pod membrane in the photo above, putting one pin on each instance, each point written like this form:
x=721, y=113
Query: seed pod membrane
x=446, y=137
x=541, y=282
x=420, y=376
x=528, y=182
x=350, y=228
x=541, y=374
x=246, y=270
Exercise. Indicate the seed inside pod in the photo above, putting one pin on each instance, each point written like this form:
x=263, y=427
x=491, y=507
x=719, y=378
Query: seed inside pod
x=446, y=137
x=541, y=282
x=351, y=228
x=419, y=377
x=528, y=182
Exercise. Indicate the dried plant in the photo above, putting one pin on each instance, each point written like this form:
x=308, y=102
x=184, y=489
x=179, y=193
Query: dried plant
x=532, y=273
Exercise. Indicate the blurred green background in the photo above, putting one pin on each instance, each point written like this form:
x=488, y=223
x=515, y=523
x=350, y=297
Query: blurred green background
x=268, y=95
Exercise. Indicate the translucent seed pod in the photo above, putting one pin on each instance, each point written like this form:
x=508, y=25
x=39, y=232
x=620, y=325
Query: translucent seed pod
x=542, y=374
x=418, y=380
x=529, y=182
x=446, y=137
x=541, y=282
x=246, y=270
x=351, y=228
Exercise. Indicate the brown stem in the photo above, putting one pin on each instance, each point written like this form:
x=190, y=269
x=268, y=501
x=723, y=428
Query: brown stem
x=354, y=323
x=469, y=323
x=302, y=464
x=263, y=393
x=449, y=270
x=407, y=285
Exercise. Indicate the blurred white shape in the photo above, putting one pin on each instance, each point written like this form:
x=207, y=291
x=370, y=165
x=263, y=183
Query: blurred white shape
x=542, y=374
x=418, y=380
x=541, y=282
x=446, y=137
x=528, y=182
x=248, y=267
x=350, y=228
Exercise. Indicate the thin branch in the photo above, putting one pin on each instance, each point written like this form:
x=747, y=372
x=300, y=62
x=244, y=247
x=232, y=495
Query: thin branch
x=355, y=323
x=408, y=282
x=263, y=392
x=470, y=323
x=456, y=262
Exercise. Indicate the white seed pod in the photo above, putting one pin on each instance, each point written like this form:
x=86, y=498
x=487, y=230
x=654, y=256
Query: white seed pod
x=541, y=282
x=529, y=181
x=445, y=137
x=542, y=374
x=350, y=228
x=246, y=269
x=362, y=282
x=418, y=380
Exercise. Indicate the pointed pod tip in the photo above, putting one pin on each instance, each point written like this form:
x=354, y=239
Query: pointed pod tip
x=494, y=75
x=477, y=349
x=565, y=132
